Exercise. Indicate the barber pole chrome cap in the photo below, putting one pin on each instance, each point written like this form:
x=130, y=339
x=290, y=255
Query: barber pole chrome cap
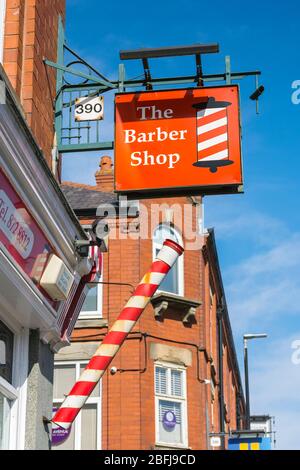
x=212, y=134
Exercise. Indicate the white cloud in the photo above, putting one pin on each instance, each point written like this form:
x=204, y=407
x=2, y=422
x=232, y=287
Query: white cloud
x=263, y=288
x=274, y=387
x=261, y=228
x=285, y=255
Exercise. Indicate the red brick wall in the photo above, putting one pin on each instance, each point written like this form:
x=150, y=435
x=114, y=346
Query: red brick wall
x=31, y=35
x=128, y=420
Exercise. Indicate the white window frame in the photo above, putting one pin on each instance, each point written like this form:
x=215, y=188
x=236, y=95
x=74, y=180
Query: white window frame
x=20, y=380
x=11, y=394
x=180, y=261
x=98, y=313
x=90, y=401
x=182, y=400
x=17, y=391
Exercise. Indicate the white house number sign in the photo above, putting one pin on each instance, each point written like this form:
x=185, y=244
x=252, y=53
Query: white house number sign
x=89, y=108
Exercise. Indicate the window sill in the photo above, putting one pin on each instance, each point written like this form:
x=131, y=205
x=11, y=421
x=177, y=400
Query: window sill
x=164, y=302
x=95, y=322
x=8, y=390
x=165, y=446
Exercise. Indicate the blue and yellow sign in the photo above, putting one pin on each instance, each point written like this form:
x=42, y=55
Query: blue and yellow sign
x=249, y=443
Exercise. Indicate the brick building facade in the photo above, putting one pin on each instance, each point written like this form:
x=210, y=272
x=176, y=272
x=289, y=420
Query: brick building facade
x=29, y=36
x=36, y=224
x=180, y=356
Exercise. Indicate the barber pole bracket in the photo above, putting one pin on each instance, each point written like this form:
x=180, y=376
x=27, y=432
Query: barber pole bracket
x=111, y=344
x=73, y=305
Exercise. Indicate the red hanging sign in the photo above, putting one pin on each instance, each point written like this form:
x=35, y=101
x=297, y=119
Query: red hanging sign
x=176, y=142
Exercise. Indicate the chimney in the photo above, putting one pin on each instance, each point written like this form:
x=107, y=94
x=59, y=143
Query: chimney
x=105, y=176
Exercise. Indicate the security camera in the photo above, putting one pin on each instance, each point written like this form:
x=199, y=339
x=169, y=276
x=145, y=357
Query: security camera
x=101, y=231
x=98, y=237
x=113, y=370
x=259, y=91
x=82, y=247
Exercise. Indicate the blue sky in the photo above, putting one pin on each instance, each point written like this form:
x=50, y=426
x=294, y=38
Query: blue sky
x=258, y=233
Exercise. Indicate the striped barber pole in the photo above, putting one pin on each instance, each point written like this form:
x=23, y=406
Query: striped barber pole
x=80, y=294
x=114, y=339
x=212, y=134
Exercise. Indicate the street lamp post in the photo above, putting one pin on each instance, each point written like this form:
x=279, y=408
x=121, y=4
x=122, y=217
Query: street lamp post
x=246, y=338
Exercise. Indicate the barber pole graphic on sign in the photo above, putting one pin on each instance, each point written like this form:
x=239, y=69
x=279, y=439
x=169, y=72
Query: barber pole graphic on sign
x=212, y=135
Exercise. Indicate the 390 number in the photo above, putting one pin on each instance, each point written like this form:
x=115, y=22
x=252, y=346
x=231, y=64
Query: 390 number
x=89, y=108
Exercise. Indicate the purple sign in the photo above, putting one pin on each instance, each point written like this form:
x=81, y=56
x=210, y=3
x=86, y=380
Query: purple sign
x=169, y=420
x=59, y=435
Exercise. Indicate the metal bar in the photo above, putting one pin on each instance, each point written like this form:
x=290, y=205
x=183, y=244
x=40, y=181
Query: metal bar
x=70, y=117
x=189, y=79
x=85, y=63
x=228, y=70
x=97, y=131
x=79, y=74
x=85, y=86
x=161, y=81
x=199, y=69
x=113, y=284
x=247, y=384
x=238, y=74
x=59, y=81
x=147, y=74
x=70, y=137
x=91, y=146
x=121, y=78
x=219, y=78
x=88, y=131
x=166, y=81
x=170, y=51
x=79, y=124
x=72, y=128
x=256, y=87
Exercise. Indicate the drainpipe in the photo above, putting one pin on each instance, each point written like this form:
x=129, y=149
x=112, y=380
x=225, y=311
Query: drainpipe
x=221, y=384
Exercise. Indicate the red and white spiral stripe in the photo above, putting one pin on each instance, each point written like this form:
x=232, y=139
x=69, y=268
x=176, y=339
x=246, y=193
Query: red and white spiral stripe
x=212, y=134
x=111, y=344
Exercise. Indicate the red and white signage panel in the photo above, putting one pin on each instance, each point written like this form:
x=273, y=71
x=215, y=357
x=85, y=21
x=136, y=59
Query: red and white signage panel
x=21, y=235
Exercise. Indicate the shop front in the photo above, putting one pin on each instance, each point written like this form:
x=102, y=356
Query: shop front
x=40, y=276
